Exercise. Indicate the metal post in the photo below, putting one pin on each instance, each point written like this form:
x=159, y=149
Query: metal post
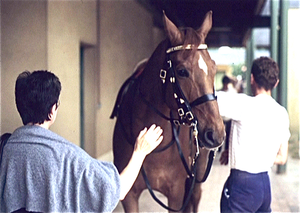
x=249, y=60
x=274, y=36
x=282, y=87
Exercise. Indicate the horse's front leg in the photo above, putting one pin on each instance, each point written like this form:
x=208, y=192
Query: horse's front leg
x=192, y=197
x=195, y=200
x=177, y=198
x=176, y=193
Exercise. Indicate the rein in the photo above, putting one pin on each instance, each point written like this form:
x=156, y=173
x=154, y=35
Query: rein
x=190, y=180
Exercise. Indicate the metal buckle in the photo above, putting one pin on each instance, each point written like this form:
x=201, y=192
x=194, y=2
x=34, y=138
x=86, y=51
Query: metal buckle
x=180, y=112
x=176, y=122
x=170, y=63
x=163, y=75
x=190, y=115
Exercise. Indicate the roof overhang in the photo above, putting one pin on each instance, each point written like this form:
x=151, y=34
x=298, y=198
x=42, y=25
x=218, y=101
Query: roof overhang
x=232, y=19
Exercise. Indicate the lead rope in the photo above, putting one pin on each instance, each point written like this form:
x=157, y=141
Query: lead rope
x=195, y=134
x=212, y=155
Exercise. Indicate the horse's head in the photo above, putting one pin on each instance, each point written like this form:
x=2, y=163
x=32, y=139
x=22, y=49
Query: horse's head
x=193, y=73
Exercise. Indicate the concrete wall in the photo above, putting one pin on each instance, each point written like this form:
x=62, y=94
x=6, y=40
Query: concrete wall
x=49, y=34
x=70, y=23
x=23, y=47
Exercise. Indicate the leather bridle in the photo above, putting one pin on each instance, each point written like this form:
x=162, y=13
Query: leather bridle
x=184, y=107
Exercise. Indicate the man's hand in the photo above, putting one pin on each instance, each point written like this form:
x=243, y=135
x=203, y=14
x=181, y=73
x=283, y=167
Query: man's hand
x=148, y=140
x=224, y=157
x=145, y=143
x=282, y=154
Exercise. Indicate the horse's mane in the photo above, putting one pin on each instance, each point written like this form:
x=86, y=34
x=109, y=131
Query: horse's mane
x=139, y=67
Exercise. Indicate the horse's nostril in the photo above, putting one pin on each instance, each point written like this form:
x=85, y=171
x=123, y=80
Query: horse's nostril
x=208, y=135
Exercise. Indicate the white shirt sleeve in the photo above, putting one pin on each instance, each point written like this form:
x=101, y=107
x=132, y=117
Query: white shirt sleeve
x=232, y=105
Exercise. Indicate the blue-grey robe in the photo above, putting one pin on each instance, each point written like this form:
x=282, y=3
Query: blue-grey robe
x=43, y=172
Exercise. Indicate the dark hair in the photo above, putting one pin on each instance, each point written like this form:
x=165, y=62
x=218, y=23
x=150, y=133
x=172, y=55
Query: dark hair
x=265, y=72
x=226, y=80
x=36, y=93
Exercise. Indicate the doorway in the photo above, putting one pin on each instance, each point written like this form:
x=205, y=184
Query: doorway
x=88, y=96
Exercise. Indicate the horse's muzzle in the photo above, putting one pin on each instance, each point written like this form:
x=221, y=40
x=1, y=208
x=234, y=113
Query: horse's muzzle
x=211, y=140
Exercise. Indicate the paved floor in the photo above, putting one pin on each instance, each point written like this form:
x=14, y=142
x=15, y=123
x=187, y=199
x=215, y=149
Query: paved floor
x=285, y=190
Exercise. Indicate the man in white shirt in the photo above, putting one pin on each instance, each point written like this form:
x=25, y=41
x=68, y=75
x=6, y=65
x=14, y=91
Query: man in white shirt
x=258, y=139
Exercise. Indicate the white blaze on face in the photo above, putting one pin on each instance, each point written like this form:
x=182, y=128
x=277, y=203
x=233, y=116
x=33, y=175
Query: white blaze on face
x=202, y=64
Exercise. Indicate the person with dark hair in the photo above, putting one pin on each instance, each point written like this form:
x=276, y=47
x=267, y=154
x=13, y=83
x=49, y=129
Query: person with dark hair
x=259, y=138
x=36, y=94
x=43, y=172
x=228, y=84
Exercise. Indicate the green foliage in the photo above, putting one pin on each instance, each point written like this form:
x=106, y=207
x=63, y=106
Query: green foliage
x=239, y=70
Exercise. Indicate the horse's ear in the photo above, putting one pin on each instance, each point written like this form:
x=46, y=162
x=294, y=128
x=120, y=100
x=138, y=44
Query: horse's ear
x=172, y=31
x=206, y=25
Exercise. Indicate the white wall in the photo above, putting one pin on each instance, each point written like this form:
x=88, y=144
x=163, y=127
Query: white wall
x=23, y=47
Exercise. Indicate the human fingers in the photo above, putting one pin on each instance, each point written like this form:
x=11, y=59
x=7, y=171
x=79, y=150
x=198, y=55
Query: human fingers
x=155, y=129
x=154, y=138
x=154, y=132
x=160, y=139
x=158, y=130
x=142, y=133
x=152, y=127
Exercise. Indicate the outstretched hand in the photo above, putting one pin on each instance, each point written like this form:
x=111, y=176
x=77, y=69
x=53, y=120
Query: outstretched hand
x=145, y=143
x=148, y=140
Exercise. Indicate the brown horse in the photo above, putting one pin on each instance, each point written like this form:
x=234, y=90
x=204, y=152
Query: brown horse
x=175, y=90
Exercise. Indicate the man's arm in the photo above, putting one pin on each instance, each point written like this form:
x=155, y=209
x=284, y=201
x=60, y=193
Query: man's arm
x=146, y=142
x=232, y=105
x=282, y=154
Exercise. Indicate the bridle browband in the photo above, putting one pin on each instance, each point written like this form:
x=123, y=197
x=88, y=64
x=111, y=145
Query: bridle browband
x=186, y=47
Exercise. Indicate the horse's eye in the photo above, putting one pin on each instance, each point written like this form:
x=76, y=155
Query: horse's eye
x=183, y=73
